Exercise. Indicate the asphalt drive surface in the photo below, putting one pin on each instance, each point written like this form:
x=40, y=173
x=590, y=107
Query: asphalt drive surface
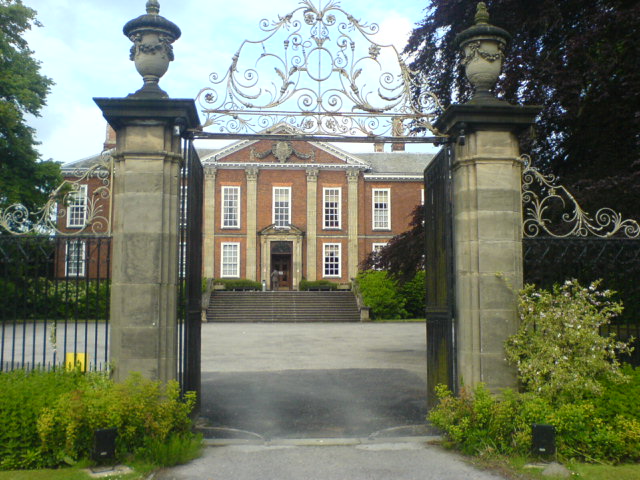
x=333, y=401
x=315, y=380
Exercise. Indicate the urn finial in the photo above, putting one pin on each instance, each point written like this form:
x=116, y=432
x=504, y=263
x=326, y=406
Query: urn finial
x=483, y=47
x=153, y=7
x=482, y=14
x=152, y=36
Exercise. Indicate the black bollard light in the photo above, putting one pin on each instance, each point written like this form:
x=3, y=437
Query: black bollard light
x=104, y=446
x=543, y=439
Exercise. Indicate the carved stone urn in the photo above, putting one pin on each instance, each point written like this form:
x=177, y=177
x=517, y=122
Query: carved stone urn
x=152, y=36
x=483, y=46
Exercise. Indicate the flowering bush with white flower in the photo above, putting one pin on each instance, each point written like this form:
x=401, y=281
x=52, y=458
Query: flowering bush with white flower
x=558, y=349
x=571, y=377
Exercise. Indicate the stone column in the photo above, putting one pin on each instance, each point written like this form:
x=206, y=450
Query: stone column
x=146, y=198
x=297, y=262
x=353, y=176
x=312, y=222
x=209, y=219
x=252, y=209
x=487, y=210
x=487, y=235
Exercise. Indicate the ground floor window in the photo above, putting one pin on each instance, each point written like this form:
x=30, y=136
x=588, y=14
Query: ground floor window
x=331, y=263
x=230, y=265
x=75, y=260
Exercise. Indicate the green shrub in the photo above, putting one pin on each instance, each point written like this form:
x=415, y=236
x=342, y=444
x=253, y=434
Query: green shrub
x=478, y=422
x=24, y=396
x=380, y=293
x=573, y=381
x=47, y=419
x=175, y=450
x=414, y=294
x=38, y=298
x=142, y=410
x=309, y=284
x=620, y=398
x=238, y=283
x=558, y=350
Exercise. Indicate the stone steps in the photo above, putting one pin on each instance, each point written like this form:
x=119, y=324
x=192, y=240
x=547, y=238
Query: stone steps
x=283, y=306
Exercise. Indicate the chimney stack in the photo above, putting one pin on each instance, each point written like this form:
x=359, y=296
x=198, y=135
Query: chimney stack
x=397, y=131
x=110, y=140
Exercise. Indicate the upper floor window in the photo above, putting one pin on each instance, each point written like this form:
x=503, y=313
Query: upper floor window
x=282, y=206
x=230, y=264
x=381, y=209
x=184, y=205
x=332, y=207
x=75, y=258
x=77, y=208
x=230, y=207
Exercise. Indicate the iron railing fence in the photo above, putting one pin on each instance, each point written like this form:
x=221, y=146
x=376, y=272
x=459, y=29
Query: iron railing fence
x=190, y=269
x=54, y=301
x=549, y=260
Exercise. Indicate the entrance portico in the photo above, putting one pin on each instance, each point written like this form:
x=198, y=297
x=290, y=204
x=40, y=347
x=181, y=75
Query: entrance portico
x=281, y=249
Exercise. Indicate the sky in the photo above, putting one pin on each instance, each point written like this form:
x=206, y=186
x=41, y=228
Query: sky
x=82, y=48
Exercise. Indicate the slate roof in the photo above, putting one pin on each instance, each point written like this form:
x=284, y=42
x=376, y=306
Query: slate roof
x=381, y=162
x=396, y=162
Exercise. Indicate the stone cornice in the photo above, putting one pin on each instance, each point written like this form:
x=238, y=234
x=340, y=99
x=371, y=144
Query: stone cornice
x=392, y=177
x=497, y=115
x=287, y=166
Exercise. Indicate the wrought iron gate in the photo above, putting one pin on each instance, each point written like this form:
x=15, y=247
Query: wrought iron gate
x=441, y=332
x=55, y=274
x=562, y=241
x=190, y=269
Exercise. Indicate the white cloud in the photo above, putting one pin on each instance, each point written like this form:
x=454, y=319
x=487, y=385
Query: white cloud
x=83, y=50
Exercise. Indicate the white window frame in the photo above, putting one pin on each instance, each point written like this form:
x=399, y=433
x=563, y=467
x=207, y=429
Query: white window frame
x=234, y=271
x=226, y=197
x=375, y=247
x=337, y=248
x=77, y=208
x=376, y=224
x=182, y=264
x=184, y=206
x=75, y=258
x=330, y=211
x=275, y=215
x=422, y=196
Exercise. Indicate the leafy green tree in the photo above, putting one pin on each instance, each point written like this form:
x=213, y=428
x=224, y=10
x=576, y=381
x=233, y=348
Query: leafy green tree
x=23, y=89
x=577, y=59
x=403, y=256
x=380, y=293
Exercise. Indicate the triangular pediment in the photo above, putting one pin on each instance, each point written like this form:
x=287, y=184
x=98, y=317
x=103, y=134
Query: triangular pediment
x=290, y=230
x=278, y=152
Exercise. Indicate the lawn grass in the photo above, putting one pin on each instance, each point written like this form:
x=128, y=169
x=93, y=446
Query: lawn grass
x=514, y=468
x=605, y=472
x=72, y=473
x=401, y=320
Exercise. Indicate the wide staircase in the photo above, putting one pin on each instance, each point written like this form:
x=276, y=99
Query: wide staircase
x=283, y=306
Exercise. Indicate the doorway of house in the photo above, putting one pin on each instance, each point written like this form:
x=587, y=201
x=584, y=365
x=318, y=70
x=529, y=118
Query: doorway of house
x=281, y=260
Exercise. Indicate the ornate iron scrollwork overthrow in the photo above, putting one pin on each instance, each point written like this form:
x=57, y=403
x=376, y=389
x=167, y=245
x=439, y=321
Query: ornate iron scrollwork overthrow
x=550, y=209
x=311, y=71
x=18, y=220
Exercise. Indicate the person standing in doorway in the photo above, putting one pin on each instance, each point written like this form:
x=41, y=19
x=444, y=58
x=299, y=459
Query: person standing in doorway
x=275, y=279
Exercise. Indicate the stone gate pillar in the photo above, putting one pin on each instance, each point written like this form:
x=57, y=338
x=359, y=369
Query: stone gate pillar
x=146, y=194
x=487, y=210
